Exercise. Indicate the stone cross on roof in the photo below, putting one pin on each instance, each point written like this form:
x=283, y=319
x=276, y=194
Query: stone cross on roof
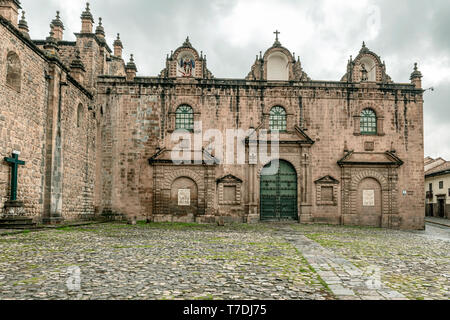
x=276, y=33
x=277, y=42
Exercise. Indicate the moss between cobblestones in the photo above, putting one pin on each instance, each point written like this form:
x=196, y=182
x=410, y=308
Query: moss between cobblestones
x=187, y=252
x=411, y=264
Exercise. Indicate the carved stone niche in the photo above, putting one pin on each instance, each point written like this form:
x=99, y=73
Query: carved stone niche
x=327, y=191
x=229, y=188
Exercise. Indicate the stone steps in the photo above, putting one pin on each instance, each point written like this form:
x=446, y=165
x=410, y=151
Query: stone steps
x=17, y=223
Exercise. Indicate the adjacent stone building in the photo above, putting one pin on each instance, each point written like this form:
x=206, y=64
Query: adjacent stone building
x=437, y=187
x=99, y=140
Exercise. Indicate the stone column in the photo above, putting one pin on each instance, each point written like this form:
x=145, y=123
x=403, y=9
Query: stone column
x=253, y=215
x=307, y=195
x=54, y=144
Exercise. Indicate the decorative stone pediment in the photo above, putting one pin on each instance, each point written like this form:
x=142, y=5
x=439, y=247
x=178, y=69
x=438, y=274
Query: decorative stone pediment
x=327, y=191
x=366, y=67
x=229, y=179
x=186, y=63
x=327, y=180
x=370, y=159
x=229, y=190
x=302, y=134
x=165, y=156
x=298, y=137
x=277, y=64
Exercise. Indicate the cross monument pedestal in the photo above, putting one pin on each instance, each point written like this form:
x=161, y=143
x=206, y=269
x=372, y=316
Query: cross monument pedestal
x=14, y=213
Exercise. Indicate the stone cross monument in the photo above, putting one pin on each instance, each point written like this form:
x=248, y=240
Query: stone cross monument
x=14, y=214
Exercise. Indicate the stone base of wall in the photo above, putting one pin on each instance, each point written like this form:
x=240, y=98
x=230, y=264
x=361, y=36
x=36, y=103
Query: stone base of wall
x=112, y=216
x=253, y=219
x=352, y=220
x=334, y=220
x=53, y=220
x=14, y=209
x=21, y=223
x=391, y=221
x=417, y=223
x=203, y=219
x=306, y=219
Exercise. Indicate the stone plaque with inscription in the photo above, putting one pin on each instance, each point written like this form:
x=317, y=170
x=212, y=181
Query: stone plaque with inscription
x=184, y=197
x=369, y=198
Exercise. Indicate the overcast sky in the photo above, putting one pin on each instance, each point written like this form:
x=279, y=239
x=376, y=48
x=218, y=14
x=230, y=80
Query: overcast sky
x=324, y=33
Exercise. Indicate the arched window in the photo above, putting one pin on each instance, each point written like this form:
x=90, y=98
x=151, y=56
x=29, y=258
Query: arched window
x=278, y=119
x=184, y=118
x=79, y=115
x=368, y=122
x=13, y=71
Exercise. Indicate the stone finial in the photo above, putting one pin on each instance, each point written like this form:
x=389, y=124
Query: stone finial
x=9, y=9
x=364, y=49
x=187, y=43
x=131, y=64
x=87, y=20
x=118, y=42
x=23, y=26
x=131, y=69
x=57, y=21
x=416, y=77
x=416, y=74
x=100, y=30
x=87, y=13
x=118, y=47
x=51, y=45
x=57, y=27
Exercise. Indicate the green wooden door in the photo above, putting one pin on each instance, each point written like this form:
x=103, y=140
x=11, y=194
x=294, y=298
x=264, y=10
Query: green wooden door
x=279, y=192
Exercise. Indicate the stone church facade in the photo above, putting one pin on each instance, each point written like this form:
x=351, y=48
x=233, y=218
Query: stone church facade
x=98, y=140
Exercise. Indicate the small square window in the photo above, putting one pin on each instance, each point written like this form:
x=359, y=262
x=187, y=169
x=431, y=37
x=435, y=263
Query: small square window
x=441, y=184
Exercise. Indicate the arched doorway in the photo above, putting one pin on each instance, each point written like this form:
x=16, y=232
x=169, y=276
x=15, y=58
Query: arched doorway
x=184, y=197
x=370, y=203
x=278, y=191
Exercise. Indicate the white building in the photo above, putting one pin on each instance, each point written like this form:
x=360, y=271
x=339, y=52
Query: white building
x=437, y=187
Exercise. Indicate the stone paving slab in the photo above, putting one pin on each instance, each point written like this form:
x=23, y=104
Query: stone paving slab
x=412, y=264
x=439, y=221
x=342, y=277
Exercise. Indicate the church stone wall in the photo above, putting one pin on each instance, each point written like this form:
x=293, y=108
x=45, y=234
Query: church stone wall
x=112, y=155
x=22, y=122
x=330, y=116
x=27, y=120
x=79, y=154
x=130, y=133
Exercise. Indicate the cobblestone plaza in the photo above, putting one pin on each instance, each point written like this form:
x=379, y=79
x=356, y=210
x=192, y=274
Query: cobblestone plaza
x=205, y=262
